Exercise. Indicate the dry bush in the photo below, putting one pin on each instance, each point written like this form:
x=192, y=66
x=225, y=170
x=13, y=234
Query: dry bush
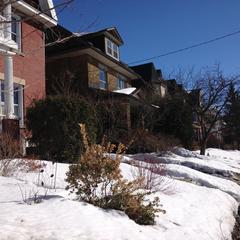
x=9, y=150
x=145, y=141
x=96, y=179
x=152, y=171
x=30, y=165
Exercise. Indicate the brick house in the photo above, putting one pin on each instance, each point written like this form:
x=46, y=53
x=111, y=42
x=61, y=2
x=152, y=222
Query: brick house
x=151, y=87
x=22, y=56
x=90, y=65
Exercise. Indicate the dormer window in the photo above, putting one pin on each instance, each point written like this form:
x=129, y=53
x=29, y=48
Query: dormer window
x=112, y=49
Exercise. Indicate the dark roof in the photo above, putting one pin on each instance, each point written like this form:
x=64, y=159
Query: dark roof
x=173, y=87
x=73, y=42
x=112, y=33
x=33, y=3
x=148, y=72
x=56, y=33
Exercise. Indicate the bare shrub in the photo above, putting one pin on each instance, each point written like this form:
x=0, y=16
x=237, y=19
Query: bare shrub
x=146, y=141
x=153, y=172
x=9, y=150
x=38, y=193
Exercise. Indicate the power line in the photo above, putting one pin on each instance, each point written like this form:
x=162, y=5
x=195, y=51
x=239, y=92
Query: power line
x=186, y=48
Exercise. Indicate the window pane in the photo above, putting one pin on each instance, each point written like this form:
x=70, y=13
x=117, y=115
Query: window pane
x=102, y=75
x=115, y=54
x=2, y=92
x=103, y=79
x=121, y=83
x=115, y=51
x=109, y=50
x=16, y=94
x=14, y=29
x=103, y=85
x=109, y=43
x=115, y=47
x=16, y=110
x=109, y=47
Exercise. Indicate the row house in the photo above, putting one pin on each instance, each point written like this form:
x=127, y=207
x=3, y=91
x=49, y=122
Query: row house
x=90, y=65
x=22, y=56
x=151, y=87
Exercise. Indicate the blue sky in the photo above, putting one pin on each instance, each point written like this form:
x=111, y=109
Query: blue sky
x=153, y=27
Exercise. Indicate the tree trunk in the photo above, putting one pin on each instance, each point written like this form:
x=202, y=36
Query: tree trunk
x=203, y=148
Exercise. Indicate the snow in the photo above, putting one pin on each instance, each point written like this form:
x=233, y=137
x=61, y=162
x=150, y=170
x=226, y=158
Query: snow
x=200, y=202
x=126, y=91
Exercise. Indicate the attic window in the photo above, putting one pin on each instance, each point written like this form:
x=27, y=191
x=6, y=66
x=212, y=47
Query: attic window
x=112, y=49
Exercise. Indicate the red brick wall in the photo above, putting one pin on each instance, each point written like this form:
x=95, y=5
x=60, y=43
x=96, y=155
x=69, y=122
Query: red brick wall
x=30, y=66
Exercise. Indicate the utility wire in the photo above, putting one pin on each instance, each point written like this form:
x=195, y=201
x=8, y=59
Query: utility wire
x=186, y=48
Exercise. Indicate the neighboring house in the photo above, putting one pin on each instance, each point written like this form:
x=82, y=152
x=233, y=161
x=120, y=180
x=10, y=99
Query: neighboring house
x=152, y=86
x=90, y=65
x=22, y=56
x=94, y=59
x=175, y=88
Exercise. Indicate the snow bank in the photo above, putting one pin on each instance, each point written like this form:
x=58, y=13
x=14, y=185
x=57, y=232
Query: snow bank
x=203, y=212
x=203, y=179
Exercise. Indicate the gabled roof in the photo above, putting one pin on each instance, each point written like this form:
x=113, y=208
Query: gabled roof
x=77, y=45
x=111, y=33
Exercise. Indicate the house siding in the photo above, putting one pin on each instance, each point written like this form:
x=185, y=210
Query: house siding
x=93, y=75
x=85, y=69
x=61, y=70
x=112, y=82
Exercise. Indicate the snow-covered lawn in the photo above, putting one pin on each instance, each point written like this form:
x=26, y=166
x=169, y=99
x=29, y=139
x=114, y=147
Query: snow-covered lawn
x=200, y=197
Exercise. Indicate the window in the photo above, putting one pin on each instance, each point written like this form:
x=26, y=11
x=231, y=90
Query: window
x=112, y=49
x=115, y=51
x=109, y=47
x=121, y=82
x=16, y=30
x=17, y=100
x=16, y=96
x=103, y=79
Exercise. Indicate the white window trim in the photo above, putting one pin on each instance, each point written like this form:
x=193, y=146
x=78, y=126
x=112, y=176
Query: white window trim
x=112, y=47
x=20, y=114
